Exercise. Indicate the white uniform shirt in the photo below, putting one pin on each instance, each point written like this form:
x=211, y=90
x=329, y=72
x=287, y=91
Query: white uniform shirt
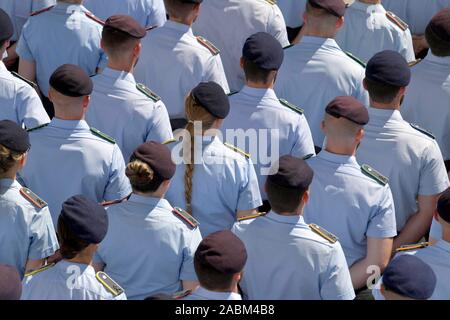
x=202, y=294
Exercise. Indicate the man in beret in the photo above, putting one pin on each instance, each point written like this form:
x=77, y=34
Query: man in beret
x=10, y=283
x=426, y=101
x=68, y=156
x=19, y=102
x=279, y=124
x=219, y=261
x=174, y=60
x=288, y=259
x=404, y=153
x=121, y=108
x=228, y=23
x=350, y=200
x=316, y=70
x=82, y=225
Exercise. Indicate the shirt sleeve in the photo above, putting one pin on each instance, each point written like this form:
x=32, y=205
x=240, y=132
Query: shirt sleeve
x=433, y=175
x=249, y=194
x=160, y=129
x=41, y=4
x=30, y=110
x=215, y=72
x=23, y=49
x=406, y=46
x=304, y=144
x=118, y=186
x=277, y=26
x=361, y=94
x=187, y=272
x=157, y=16
x=42, y=235
x=383, y=224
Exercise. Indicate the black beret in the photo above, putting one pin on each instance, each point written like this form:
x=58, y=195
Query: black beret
x=222, y=251
x=10, y=283
x=388, y=67
x=6, y=26
x=125, y=24
x=443, y=205
x=335, y=7
x=348, y=108
x=13, y=137
x=410, y=277
x=293, y=173
x=212, y=97
x=158, y=157
x=72, y=81
x=439, y=26
x=263, y=50
x=85, y=218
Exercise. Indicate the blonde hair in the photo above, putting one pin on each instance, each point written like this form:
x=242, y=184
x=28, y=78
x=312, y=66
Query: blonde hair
x=8, y=158
x=142, y=177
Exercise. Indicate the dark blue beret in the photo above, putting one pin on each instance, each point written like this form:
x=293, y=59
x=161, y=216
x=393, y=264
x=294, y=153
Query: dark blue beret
x=222, y=251
x=13, y=137
x=388, y=67
x=439, y=26
x=212, y=97
x=85, y=218
x=293, y=173
x=335, y=7
x=410, y=277
x=10, y=283
x=125, y=24
x=348, y=108
x=443, y=205
x=72, y=81
x=6, y=26
x=263, y=50
x=158, y=157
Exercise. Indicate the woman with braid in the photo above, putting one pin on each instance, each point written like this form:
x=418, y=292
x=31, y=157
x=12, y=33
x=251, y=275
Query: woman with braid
x=214, y=182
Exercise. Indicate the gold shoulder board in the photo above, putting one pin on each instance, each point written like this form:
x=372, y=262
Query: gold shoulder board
x=94, y=18
x=109, y=284
x=236, y=149
x=41, y=11
x=355, y=58
x=33, y=198
x=409, y=247
x=291, y=106
x=186, y=217
x=272, y=2
x=102, y=135
x=253, y=216
x=149, y=93
x=395, y=19
x=31, y=83
x=208, y=45
x=414, y=63
x=424, y=131
x=372, y=173
x=38, y=127
x=323, y=233
x=43, y=268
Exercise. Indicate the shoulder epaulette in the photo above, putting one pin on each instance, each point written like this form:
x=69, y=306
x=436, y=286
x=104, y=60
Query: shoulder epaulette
x=181, y=294
x=372, y=173
x=289, y=46
x=186, y=217
x=208, y=45
x=41, y=11
x=308, y=156
x=272, y=2
x=113, y=202
x=31, y=83
x=169, y=141
x=356, y=59
x=148, y=29
x=414, y=63
x=33, y=198
x=236, y=149
x=323, y=233
x=253, y=216
x=395, y=19
x=149, y=93
x=109, y=284
x=102, y=135
x=424, y=131
x=409, y=247
x=232, y=93
x=94, y=18
x=43, y=268
x=38, y=127
x=291, y=106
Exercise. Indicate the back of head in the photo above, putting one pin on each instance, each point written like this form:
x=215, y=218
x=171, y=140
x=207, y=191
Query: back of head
x=180, y=8
x=437, y=33
x=324, y=14
x=6, y=28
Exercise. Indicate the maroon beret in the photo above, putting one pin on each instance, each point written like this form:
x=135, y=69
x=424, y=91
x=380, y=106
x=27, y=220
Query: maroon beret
x=348, y=108
x=440, y=25
x=125, y=24
x=10, y=283
x=6, y=26
x=158, y=157
x=72, y=81
x=335, y=7
x=293, y=173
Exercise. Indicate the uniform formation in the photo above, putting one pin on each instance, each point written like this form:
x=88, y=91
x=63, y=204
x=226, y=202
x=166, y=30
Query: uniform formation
x=224, y=149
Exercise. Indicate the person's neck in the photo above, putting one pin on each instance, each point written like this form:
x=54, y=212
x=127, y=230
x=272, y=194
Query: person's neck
x=157, y=194
x=232, y=289
x=82, y=258
x=68, y=117
x=11, y=174
x=297, y=212
x=327, y=34
x=259, y=85
x=370, y=1
x=385, y=106
x=186, y=21
x=336, y=147
x=127, y=66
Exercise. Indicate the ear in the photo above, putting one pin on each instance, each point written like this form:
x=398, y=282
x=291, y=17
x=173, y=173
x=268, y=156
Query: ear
x=242, y=62
x=305, y=18
x=436, y=216
x=50, y=95
x=322, y=126
x=86, y=100
x=305, y=197
x=365, y=84
x=340, y=23
x=101, y=45
x=360, y=134
x=402, y=91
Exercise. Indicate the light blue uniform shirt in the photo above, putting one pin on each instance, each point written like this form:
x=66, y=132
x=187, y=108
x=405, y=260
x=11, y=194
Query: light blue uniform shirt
x=26, y=232
x=349, y=204
x=202, y=294
x=292, y=11
x=224, y=181
x=66, y=281
x=410, y=159
x=288, y=261
x=123, y=112
x=19, y=102
x=67, y=159
x=279, y=130
x=147, y=12
x=173, y=62
x=367, y=31
x=314, y=72
x=148, y=250
x=427, y=99
x=61, y=35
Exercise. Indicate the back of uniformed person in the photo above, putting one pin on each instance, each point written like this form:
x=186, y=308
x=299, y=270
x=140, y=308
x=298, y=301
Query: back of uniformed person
x=406, y=154
x=27, y=235
x=19, y=102
x=68, y=156
x=70, y=28
x=148, y=13
x=215, y=182
x=287, y=259
x=174, y=60
x=121, y=108
x=426, y=101
x=149, y=248
x=350, y=200
x=280, y=126
x=219, y=261
x=316, y=70
x=228, y=23
x=10, y=283
x=82, y=225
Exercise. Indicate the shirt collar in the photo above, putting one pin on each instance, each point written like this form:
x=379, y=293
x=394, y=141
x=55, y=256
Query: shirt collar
x=213, y=295
x=385, y=114
x=438, y=60
x=374, y=8
x=259, y=92
x=295, y=219
x=337, y=158
x=69, y=124
x=442, y=244
x=62, y=6
x=119, y=75
x=184, y=28
x=319, y=41
x=150, y=201
x=8, y=183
